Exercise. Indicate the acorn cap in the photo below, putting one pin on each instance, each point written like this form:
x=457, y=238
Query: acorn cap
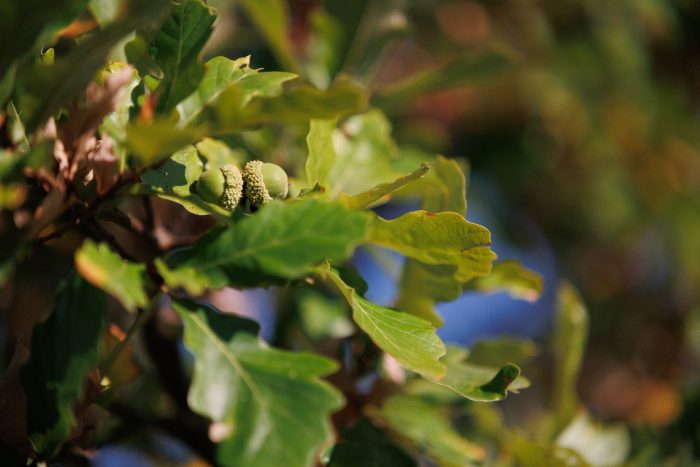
x=263, y=182
x=222, y=186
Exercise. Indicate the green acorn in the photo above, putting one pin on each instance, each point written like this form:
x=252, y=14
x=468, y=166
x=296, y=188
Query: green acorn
x=263, y=182
x=221, y=186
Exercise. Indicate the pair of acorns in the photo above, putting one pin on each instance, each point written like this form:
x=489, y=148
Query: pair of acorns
x=258, y=184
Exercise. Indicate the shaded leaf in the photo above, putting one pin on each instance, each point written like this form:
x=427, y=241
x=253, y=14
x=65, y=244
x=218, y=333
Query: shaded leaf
x=410, y=340
x=422, y=285
x=369, y=197
x=321, y=151
x=49, y=86
x=272, y=19
x=273, y=401
x=64, y=349
x=176, y=51
x=493, y=352
x=26, y=26
x=322, y=317
x=429, y=429
x=463, y=70
x=512, y=277
x=282, y=241
x=569, y=340
x=365, y=445
x=444, y=238
x=124, y=280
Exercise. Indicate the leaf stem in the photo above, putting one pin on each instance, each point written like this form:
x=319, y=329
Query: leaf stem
x=144, y=315
x=21, y=125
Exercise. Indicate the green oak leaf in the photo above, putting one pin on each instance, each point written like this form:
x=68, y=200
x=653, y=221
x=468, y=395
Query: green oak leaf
x=174, y=180
x=276, y=97
x=370, y=197
x=64, y=349
x=219, y=74
x=176, y=51
x=149, y=142
x=280, y=242
x=49, y=86
x=512, y=277
x=124, y=280
x=409, y=339
x=217, y=153
x=364, y=152
x=321, y=151
x=422, y=285
x=444, y=238
x=429, y=429
x=494, y=351
x=365, y=445
x=568, y=343
x=446, y=187
x=322, y=317
x=258, y=99
x=479, y=383
x=272, y=400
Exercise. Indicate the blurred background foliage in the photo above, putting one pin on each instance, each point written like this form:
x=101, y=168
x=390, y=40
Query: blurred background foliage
x=577, y=117
x=578, y=120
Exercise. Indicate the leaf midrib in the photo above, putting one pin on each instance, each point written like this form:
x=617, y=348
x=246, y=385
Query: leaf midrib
x=231, y=357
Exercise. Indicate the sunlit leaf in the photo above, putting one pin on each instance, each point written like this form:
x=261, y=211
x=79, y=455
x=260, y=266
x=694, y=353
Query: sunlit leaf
x=444, y=238
x=321, y=151
x=282, y=241
x=217, y=153
x=369, y=197
x=220, y=72
x=364, y=152
x=512, y=277
x=272, y=401
x=151, y=141
x=423, y=285
x=479, y=383
x=103, y=268
x=261, y=99
x=410, y=340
